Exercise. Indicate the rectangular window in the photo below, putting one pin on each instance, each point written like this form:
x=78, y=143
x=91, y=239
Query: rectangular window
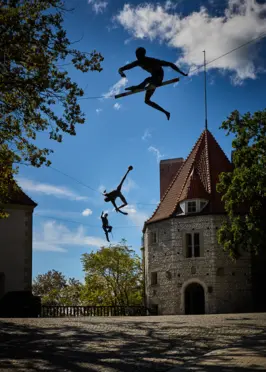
x=154, y=278
x=193, y=245
x=196, y=245
x=192, y=207
x=153, y=237
x=188, y=245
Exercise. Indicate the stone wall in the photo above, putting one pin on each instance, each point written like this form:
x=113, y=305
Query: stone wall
x=227, y=285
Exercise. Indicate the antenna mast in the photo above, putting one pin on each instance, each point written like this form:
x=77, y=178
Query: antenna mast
x=205, y=90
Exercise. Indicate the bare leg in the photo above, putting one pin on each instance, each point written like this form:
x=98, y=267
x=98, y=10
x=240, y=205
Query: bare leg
x=107, y=237
x=106, y=234
x=122, y=206
x=141, y=85
x=114, y=204
x=123, y=199
x=148, y=102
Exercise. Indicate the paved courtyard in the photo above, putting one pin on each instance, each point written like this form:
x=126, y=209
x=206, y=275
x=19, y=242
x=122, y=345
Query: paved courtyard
x=159, y=343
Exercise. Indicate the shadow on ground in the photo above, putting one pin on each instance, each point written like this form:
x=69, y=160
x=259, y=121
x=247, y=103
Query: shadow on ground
x=112, y=346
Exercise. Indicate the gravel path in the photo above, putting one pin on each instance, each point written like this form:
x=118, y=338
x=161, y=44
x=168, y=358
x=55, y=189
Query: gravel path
x=127, y=344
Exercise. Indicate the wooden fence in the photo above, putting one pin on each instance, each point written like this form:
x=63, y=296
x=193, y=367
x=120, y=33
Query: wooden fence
x=79, y=311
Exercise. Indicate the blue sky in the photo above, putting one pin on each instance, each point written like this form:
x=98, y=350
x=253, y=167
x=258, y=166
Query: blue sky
x=124, y=132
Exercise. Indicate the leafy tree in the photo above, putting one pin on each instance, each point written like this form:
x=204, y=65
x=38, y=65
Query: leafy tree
x=113, y=276
x=71, y=294
x=244, y=189
x=36, y=92
x=55, y=289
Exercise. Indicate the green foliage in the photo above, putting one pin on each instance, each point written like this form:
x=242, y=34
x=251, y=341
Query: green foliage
x=113, y=276
x=34, y=86
x=244, y=190
x=55, y=289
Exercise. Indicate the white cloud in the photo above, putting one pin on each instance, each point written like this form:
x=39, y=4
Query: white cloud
x=241, y=21
x=61, y=192
x=87, y=212
x=136, y=216
x=98, y=110
x=101, y=188
x=129, y=185
x=43, y=246
x=169, y=5
x=116, y=88
x=98, y=6
x=57, y=237
x=117, y=106
x=147, y=134
x=156, y=152
x=58, y=213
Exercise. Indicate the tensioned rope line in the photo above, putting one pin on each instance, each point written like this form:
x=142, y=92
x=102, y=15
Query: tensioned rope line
x=81, y=223
x=198, y=68
x=83, y=184
x=73, y=178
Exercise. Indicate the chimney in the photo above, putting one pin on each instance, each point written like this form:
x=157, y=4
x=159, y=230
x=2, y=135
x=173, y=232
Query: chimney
x=168, y=170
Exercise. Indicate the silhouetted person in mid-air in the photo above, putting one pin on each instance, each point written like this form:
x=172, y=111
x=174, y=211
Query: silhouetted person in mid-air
x=106, y=227
x=112, y=195
x=155, y=68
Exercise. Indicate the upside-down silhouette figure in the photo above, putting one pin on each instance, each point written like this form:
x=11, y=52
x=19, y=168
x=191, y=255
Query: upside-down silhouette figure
x=105, y=225
x=112, y=195
x=155, y=68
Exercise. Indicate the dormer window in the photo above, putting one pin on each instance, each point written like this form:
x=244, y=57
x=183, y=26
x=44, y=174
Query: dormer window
x=193, y=206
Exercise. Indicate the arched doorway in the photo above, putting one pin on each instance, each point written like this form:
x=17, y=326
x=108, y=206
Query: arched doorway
x=194, y=299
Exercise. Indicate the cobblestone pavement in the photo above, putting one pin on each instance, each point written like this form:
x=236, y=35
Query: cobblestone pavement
x=129, y=344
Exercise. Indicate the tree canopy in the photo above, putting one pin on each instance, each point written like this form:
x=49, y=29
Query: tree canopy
x=113, y=276
x=55, y=289
x=244, y=189
x=36, y=92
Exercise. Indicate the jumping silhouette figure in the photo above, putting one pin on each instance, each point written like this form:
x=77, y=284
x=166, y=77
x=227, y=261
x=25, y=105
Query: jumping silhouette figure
x=155, y=68
x=112, y=195
x=105, y=225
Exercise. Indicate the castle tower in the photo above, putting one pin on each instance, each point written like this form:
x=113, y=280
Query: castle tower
x=186, y=271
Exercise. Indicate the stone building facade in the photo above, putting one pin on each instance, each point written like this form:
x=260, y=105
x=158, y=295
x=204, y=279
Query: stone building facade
x=16, y=244
x=186, y=271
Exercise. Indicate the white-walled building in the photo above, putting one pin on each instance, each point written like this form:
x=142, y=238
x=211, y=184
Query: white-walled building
x=16, y=244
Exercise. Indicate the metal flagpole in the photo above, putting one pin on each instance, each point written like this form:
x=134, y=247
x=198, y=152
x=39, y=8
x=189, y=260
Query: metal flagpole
x=205, y=90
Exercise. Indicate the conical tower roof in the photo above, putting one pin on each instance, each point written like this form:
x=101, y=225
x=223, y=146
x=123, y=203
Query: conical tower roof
x=196, y=179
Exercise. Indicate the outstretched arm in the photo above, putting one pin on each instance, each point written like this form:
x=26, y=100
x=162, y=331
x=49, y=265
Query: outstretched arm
x=123, y=179
x=127, y=67
x=173, y=66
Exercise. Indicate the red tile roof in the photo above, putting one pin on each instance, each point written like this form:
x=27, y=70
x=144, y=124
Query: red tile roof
x=197, y=178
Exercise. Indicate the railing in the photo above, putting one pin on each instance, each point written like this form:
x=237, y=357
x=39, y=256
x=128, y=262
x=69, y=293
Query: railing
x=78, y=311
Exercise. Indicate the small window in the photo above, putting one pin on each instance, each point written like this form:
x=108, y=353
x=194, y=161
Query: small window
x=193, y=248
x=191, y=207
x=154, y=278
x=196, y=245
x=188, y=245
x=153, y=237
